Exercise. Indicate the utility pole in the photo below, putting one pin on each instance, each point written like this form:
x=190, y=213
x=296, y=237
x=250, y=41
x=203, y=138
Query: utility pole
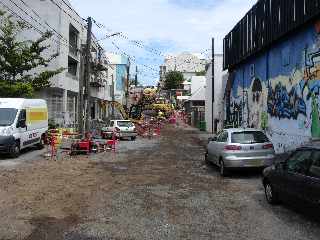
x=81, y=99
x=213, y=97
x=127, y=84
x=87, y=75
x=113, y=98
x=136, y=77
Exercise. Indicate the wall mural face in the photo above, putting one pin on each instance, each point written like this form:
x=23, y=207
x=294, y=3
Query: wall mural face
x=287, y=103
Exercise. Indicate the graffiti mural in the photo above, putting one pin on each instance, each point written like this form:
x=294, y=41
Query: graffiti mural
x=284, y=104
x=282, y=95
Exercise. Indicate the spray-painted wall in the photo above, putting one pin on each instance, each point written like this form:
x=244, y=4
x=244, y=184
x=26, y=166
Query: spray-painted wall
x=279, y=91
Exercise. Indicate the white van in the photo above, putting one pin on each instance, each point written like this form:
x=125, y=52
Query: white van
x=23, y=123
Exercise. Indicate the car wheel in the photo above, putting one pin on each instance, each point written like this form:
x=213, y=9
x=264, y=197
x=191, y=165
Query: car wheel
x=133, y=138
x=206, y=159
x=223, y=170
x=15, y=150
x=271, y=195
x=41, y=144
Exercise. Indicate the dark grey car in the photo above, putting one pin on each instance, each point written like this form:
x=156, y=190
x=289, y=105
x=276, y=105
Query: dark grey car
x=296, y=179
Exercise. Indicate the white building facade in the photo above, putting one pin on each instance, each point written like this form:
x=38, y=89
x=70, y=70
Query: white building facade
x=187, y=63
x=215, y=109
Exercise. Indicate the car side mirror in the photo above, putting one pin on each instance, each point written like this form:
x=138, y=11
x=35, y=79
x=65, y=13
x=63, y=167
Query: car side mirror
x=22, y=123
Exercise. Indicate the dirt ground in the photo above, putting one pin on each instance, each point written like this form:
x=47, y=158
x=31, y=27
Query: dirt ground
x=149, y=189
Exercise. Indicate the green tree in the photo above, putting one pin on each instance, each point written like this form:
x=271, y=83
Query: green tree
x=173, y=80
x=201, y=73
x=18, y=58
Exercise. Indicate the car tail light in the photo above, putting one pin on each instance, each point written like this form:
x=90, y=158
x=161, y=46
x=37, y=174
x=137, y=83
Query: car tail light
x=232, y=148
x=268, y=146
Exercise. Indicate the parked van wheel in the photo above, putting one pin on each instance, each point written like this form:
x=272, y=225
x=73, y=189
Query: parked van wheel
x=15, y=150
x=42, y=142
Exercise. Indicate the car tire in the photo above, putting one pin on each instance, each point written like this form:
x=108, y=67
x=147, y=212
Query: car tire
x=206, y=159
x=223, y=170
x=271, y=195
x=133, y=138
x=15, y=150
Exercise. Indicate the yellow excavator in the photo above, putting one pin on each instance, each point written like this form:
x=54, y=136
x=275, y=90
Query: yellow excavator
x=150, y=103
x=118, y=106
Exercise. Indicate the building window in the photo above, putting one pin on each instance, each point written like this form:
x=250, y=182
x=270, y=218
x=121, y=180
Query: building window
x=73, y=40
x=72, y=66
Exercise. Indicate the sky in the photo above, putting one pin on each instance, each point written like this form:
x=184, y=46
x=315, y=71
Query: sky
x=153, y=29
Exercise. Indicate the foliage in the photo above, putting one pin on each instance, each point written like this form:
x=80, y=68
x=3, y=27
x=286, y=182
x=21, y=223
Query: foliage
x=201, y=73
x=173, y=80
x=19, y=59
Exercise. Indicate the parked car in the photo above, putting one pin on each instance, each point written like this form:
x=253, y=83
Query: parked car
x=240, y=148
x=23, y=123
x=297, y=179
x=121, y=128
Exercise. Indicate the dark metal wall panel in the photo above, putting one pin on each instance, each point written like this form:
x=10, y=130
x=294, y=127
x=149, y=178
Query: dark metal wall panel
x=266, y=22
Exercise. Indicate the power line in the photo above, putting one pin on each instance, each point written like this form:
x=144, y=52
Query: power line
x=153, y=50
x=133, y=58
x=30, y=25
x=71, y=8
x=62, y=9
x=59, y=35
x=37, y=14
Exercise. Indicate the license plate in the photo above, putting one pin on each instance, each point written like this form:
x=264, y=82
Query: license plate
x=255, y=163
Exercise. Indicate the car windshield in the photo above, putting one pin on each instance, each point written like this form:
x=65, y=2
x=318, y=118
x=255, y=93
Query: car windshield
x=7, y=116
x=249, y=137
x=125, y=124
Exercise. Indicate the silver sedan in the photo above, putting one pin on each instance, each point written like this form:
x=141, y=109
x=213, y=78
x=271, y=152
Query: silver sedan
x=240, y=148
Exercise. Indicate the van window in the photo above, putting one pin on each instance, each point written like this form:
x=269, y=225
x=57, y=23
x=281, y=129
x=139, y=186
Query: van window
x=22, y=117
x=7, y=116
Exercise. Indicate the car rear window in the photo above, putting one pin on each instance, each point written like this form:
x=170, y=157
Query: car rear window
x=249, y=137
x=125, y=124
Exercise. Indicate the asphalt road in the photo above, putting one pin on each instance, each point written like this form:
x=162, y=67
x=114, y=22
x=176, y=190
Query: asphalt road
x=156, y=188
x=27, y=155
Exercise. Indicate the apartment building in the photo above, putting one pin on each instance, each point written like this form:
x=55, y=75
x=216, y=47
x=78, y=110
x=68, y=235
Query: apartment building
x=188, y=64
x=68, y=41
